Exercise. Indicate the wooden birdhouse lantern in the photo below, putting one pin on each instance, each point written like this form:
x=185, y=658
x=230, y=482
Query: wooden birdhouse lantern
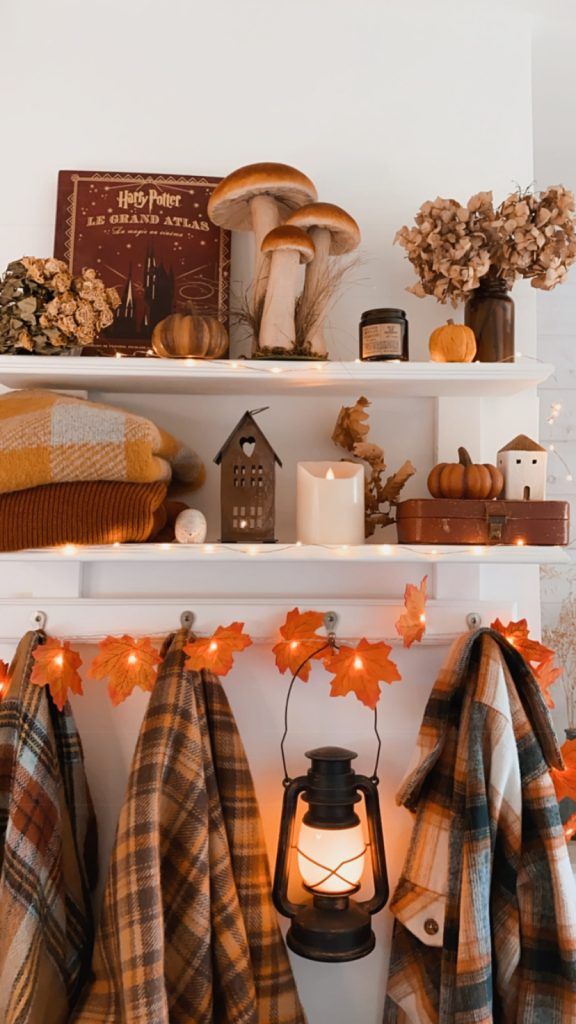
x=247, y=484
x=523, y=465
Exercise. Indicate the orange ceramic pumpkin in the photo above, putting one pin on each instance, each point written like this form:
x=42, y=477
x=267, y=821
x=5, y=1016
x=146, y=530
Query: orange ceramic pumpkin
x=465, y=479
x=452, y=343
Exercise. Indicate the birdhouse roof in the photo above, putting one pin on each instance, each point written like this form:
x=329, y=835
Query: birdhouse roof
x=522, y=443
x=247, y=420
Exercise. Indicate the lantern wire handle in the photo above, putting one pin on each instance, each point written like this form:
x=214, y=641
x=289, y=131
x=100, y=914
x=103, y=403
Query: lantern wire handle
x=330, y=620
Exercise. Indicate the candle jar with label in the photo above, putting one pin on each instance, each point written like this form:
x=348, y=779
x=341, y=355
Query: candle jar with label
x=383, y=335
x=330, y=503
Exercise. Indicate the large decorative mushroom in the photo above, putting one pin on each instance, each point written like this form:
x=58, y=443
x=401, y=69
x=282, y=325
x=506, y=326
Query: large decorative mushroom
x=258, y=198
x=334, y=232
x=288, y=247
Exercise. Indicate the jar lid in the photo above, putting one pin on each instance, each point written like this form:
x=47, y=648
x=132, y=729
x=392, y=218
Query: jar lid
x=386, y=311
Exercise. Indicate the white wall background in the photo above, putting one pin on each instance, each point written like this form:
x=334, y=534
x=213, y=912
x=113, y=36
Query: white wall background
x=554, y=89
x=384, y=105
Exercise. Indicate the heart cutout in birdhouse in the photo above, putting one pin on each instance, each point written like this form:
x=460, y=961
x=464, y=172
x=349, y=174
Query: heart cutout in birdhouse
x=248, y=445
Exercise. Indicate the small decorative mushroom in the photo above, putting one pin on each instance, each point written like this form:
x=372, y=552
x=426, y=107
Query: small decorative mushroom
x=334, y=232
x=289, y=247
x=190, y=527
x=257, y=198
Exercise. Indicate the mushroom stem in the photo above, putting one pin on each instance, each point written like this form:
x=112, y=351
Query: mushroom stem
x=277, y=329
x=265, y=216
x=316, y=293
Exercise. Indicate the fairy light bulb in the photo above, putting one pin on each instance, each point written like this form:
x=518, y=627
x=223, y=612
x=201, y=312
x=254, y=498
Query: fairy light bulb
x=243, y=524
x=520, y=542
x=294, y=645
x=213, y=646
x=59, y=660
x=422, y=618
x=132, y=659
x=329, y=473
x=69, y=549
x=358, y=663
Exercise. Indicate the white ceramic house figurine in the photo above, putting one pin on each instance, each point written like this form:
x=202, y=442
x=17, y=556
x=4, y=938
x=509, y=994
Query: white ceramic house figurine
x=523, y=464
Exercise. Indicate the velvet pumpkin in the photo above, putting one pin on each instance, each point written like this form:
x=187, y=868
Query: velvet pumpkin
x=190, y=335
x=465, y=479
x=452, y=343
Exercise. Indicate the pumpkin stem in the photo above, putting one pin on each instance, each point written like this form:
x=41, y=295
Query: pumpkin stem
x=464, y=457
x=451, y=322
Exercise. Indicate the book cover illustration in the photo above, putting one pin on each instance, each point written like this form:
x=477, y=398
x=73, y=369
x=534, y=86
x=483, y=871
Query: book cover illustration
x=148, y=236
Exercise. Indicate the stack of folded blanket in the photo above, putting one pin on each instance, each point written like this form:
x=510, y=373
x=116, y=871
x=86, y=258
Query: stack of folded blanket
x=73, y=471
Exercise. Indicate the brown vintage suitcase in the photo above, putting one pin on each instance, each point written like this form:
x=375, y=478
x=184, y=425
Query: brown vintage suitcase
x=449, y=521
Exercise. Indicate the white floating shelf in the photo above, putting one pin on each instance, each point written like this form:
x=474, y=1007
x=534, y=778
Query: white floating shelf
x=292, y=553
x=256, y=377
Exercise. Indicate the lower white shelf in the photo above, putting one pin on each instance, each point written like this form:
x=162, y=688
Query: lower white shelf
x=288, y=553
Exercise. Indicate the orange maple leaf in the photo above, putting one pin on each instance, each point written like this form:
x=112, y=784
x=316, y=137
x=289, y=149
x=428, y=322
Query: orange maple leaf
x=4, y=678
x=565, y=781
x=216, y=653
x=126, y=663
x=360, y=669
x=299, y=641
x=56, y=666
x=411, y=625
x=547, y=674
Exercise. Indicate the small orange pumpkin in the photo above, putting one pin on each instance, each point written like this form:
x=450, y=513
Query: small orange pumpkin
x=189, y=334
x=465, y=479
x=452, y=343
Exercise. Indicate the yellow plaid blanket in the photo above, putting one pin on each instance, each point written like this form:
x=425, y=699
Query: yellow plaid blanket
x=48, y=438
x=188, y=932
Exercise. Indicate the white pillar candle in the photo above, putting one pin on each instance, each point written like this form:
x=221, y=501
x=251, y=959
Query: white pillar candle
x=330, y=503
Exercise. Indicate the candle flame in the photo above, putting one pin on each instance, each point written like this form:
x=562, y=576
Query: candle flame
x=329, y=473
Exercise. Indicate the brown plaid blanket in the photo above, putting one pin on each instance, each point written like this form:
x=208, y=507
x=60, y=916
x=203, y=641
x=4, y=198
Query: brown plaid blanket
x=188, y=932
x=47, y=854
x=485, y=909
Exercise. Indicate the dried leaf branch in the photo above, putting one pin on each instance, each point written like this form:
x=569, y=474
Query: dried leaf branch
x=350, y=432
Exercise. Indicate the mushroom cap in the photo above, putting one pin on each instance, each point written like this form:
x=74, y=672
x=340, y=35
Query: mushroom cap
x=229, y=203
x=344, y=231
x=287, y=238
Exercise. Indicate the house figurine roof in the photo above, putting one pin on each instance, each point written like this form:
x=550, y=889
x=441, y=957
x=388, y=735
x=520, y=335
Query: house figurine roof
x=522, y=443
x=246, y=420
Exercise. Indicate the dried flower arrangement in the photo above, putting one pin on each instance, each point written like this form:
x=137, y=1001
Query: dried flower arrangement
x=562, y=638
x=452, y=247
x=44, y=309
x=351, y=431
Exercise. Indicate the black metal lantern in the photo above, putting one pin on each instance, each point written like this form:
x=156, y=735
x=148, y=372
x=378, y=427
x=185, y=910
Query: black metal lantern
x=331, y=851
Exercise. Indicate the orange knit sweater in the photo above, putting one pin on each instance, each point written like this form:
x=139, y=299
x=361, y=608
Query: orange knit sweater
x=94, y=512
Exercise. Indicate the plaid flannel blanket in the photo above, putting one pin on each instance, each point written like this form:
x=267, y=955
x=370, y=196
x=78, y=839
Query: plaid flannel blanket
x=46, y=438
x=188, y=932
x=485, y=909
x=48, y=854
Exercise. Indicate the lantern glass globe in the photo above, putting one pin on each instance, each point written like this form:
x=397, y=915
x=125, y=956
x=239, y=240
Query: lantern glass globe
x=331, y=861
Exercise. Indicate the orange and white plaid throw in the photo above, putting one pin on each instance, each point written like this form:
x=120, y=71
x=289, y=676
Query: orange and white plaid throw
x=485, y=909
x=188, y=932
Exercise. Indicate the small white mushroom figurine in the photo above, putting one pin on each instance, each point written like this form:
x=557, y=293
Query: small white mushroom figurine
x=288, y=247
x=190, y=527
x=257, y=198
x=334, y=232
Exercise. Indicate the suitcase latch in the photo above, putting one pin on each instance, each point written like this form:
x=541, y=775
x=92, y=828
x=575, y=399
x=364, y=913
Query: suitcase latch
x=496, y=526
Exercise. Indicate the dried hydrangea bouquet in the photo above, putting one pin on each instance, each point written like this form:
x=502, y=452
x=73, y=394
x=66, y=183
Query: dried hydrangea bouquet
x=475, y=253
x=46, y=311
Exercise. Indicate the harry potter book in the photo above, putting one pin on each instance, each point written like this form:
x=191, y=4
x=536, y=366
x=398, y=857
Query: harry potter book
x=149, y=236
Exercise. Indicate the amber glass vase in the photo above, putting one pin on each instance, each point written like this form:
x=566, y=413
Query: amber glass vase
x=490, y=314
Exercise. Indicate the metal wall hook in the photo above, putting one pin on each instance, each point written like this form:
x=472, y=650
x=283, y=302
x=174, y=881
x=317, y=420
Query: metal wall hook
x=473, y=620
x=39, y=619
x=330, y=623
x=187, y=619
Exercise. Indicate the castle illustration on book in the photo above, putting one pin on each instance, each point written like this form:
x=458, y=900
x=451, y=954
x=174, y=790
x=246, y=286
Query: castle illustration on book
x=148, y=236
